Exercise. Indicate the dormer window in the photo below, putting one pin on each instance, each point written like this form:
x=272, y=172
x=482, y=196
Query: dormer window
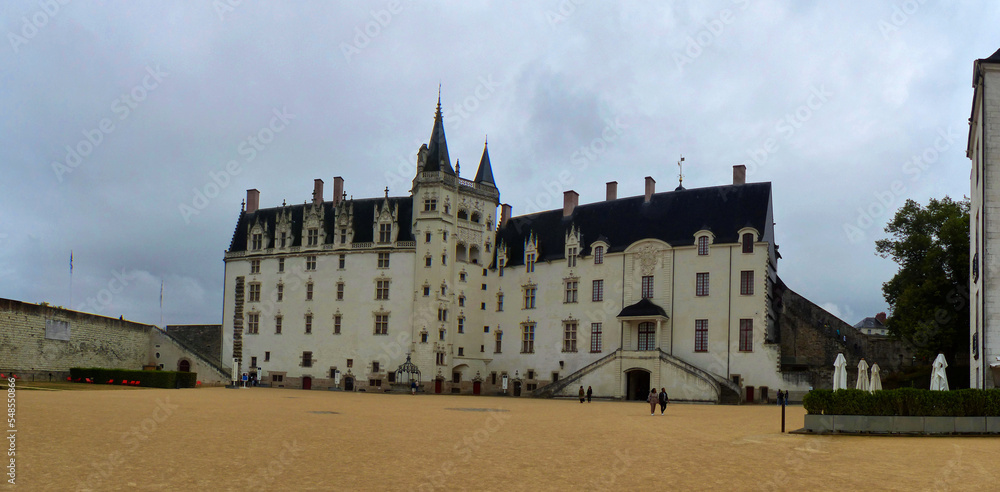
x=748, y=242
x=313, y=237
x=529, y=262
x=571, y=257
x=598, y=255
x=284, y=239
x=385, y=233
x=343, y=235
x=257, y=240
x=702, y=245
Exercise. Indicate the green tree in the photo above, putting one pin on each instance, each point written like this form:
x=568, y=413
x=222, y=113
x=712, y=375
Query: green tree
x=929, y=296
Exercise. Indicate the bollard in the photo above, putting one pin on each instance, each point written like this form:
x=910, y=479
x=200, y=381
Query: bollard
x=782, y=416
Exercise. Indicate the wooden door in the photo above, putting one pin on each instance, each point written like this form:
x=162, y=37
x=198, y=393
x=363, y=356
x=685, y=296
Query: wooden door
x=437, y=386
x=476, y=387
x=307, y=383
x=750, y=394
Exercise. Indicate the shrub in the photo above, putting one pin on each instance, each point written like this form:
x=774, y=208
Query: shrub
x=905, y=402
x=150, y=379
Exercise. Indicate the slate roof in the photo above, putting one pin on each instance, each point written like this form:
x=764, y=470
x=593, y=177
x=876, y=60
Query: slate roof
x=869, y=322
x=437, y=148
x=364, y=213
x=672, y=216
x=994, y=58
x=485, y=173
x=643, y=308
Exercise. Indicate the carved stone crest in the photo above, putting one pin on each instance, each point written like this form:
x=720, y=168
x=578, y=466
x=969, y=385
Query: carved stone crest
x=647, y=258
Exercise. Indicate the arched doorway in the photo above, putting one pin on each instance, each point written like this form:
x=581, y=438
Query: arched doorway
x=348, y=384
x=638, y=384
x=184, y=365
x=307, y=382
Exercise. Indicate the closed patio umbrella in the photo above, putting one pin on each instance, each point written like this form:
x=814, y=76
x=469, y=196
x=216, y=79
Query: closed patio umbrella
x=939, y=379
x=862, y=376
x=840, y=373
x=876, y=382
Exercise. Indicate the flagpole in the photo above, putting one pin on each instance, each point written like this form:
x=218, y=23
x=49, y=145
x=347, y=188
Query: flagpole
x=161, y=304
x=70, y=280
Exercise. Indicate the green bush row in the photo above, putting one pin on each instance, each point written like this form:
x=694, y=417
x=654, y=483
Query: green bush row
x=150, y=379
x=905, y=402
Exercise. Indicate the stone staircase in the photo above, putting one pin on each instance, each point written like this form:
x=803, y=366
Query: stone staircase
x=550, y=390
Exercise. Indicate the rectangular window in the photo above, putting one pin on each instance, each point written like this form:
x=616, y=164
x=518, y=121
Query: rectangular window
x=267, y=356
x=313, y=237
x=337, y=319
x=311, y=262
x=571, y=257
x=284, y=239
x=340, y=291
x=427, y=237
x=385, y=233
x=343, y=236
x=647, y=336
x=748, y=242
x=375, y=366
x=500, y=268
x=647, y=287
x=254, y=292
x=381, y=290
x=461, y=301
x=746, y=335
x=569, y=336
x=350, y=363
x=281, y=265
x=440, y=358
x=309, y=291
x=701, y=335
x=307, y=359
x=486, y=329
x=499, y=339
x=427, y=261
x=528, y=338
x=277, y=325
x=381, y=324
x=442, y=314
x=383, y=260
x=444, y=259
x=253, y=323
x=254, y=266
x=430, y=205
x=702, y=245
x=461, y=351
x=499, y=302
x=598, y=255
x=309, y=324
x=461, y=325
x=596, y=332
x=529, y=297
x=341, y=261
x=427, y=290
x=258, y=241
x=529, y=262
x=441, y=335
x=461, y=277
x=571, y=291
x=746, y=283
x=701, y=285
x=597, y=291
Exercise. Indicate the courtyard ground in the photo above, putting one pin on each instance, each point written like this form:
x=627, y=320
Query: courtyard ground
x=275, y=439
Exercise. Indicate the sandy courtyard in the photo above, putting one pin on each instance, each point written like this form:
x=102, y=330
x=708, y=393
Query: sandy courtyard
x=273, y=439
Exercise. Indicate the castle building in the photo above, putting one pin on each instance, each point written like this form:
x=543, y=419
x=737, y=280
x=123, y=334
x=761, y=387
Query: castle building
x=671, y=289
x=984, y=224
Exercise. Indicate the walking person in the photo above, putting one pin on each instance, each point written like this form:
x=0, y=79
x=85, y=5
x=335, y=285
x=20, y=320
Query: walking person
x=652, y=399
x=582, y=394
x=663, y=400
x=413, y=387
x=590, y=393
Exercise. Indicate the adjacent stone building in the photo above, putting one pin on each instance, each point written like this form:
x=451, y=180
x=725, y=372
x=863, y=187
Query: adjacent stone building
x=666, y=289
x=984, y=131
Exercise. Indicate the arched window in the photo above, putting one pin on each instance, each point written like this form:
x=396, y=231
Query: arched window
x=748, y=242
x=475, y=217
x=462, y=214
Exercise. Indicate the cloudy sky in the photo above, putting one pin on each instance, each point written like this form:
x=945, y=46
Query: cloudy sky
x=132, y=130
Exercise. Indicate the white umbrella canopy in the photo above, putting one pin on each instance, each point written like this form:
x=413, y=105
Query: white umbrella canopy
x=939, y=378
x=840, y=373
x=876, y=382
x=862, y=376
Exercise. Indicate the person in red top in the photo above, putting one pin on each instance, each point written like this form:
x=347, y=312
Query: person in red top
x=652, y=399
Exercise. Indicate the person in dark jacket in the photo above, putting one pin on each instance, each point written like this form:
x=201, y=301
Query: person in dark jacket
x=663, y=400
x=590, y=393
x=582, y=394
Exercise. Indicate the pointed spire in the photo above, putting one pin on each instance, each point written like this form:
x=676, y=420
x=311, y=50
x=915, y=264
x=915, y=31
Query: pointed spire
x=485, y=173
x=437, y=148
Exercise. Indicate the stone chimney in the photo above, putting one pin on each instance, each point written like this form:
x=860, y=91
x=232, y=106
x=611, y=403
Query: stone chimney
x=505, y=210
x=570, y=201
x=880, y=317
x=739, y=174
x=612, y=190
x=338, y=190
x=253, y=201
x=317, y=191
x=650, y=188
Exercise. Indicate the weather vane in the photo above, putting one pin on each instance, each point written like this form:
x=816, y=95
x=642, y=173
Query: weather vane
x=680, y=172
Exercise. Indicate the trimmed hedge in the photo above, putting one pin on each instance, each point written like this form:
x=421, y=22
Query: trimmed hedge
x=904, y=402
x=149, y=379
